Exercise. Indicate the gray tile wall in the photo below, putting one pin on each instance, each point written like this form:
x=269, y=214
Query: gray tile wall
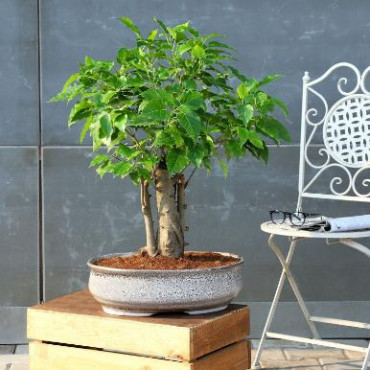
x=83, y=215
x=19, y=226
x=18, y=73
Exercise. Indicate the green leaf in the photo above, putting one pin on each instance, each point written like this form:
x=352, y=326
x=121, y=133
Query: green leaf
x=69, y=94
x=242, y=91
x=213, y=35
x=283, y=132
x=152, y=35
x=252, y=136
x=127, y=152
x=237, y=73
x=123, y=55
x=207, y=164
x=79, y=111
x=282, y=106
x=245, y=113
x=105, y=127
x=183, y=48
x=135, y=177
x=71, y=79
x=94, y=132
x=85, y=129
x=177, y=136
x=193, y=31
x=131, y=25
x=162, y=25
x=120, y=122
x=164, y=139
x=268, y=79
x=210, y=143
x=273, y=129
x=104, y=168
x=149, y=162
x=122, y=169
x=219, y=45
x=99, y=159
x=172, y=32
x=142, y=120
x=135, y=82
x=190, y=121
x=243, y=134
x=194, y=100
x=139, y=174
x=264, y=153
x=196, y=154
x=88, y=60
x=190, y=84
x=176, y=161
x=224, y=168
x=198, y=52
x=233, y=149
x=163, y=96
x=154, y=110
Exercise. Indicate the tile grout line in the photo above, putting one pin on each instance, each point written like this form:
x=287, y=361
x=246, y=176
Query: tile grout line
x=40, y=152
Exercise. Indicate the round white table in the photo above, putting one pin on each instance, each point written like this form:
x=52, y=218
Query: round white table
x=292, y=231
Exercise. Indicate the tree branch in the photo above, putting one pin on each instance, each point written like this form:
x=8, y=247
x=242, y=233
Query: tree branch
x=181, y=205
x=134, y=138
x=189, y=178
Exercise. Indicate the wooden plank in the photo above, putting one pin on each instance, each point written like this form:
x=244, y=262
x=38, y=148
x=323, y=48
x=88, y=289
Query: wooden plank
x=229, y=328
x=111, y=334
x=236, y=356
x=51, y=356
x=78, y=319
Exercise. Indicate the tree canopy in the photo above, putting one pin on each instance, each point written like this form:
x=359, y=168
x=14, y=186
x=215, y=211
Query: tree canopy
x=171, y=100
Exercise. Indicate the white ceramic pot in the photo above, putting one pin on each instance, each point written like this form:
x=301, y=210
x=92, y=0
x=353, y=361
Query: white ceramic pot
x=146, y=292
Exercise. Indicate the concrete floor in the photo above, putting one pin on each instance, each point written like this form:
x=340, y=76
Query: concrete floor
x=14, y=357
x=284, y=356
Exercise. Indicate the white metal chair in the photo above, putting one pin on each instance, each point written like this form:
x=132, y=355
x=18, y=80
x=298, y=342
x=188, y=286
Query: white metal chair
x=346, y=149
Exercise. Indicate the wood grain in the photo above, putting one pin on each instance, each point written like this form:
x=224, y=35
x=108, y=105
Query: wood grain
x=51, y=356
x=77, y=319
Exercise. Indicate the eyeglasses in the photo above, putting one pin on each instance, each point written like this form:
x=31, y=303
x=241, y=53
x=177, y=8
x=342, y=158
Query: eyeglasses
x=295, y=218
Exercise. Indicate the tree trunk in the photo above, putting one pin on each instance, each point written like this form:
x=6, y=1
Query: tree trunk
x=181, y=205
x=146, y=209
x=170, y=233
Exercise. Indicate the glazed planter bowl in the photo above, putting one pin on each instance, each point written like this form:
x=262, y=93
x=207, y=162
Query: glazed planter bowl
x=146, y=292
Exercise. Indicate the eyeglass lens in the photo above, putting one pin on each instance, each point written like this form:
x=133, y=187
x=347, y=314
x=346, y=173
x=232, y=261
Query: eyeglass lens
x=277, y=217
x=297, y=218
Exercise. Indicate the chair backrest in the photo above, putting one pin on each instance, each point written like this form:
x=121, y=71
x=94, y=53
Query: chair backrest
x=338, y=137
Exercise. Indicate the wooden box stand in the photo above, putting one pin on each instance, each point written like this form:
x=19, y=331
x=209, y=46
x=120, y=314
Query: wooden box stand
x=72, y=332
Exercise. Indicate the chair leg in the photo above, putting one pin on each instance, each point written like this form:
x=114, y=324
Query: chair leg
x=256, y=362
x=285, y=264
x=367, y=358
x=356, y=245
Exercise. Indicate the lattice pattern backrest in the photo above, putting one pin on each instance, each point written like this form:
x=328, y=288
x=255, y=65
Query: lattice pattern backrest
x=345, y=148
x=346, y=131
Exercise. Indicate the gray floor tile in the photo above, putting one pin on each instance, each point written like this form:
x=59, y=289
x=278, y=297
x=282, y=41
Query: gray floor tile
x=21, y=349
x=7, y=349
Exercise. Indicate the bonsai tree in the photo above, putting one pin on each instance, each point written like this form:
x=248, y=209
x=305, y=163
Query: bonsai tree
x=171, y=102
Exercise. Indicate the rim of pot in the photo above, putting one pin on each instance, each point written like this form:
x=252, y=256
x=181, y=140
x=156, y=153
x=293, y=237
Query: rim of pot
x=93, y=266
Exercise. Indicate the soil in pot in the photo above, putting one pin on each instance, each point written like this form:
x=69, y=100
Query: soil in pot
x=191, y=260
